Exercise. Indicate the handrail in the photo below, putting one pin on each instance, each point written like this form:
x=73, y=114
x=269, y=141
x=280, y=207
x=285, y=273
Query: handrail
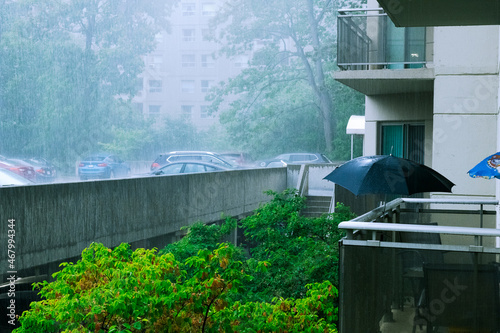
x=368, y=221
x=435, y=229
x=452, y=201
x=303, y=180
x=345, y=10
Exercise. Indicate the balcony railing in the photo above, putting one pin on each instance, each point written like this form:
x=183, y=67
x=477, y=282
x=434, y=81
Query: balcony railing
x=367, y=39
x=420, y=272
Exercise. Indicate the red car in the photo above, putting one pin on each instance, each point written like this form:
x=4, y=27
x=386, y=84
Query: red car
x=20, y=168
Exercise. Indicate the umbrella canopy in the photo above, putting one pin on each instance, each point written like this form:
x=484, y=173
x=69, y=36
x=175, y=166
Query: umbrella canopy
x=487, y=168
x=387, y=174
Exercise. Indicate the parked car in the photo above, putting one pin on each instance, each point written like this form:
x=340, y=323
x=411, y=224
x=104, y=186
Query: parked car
x=273, y=163
x=296, y=158
x=205, y=156
x=18, y=167
x=239, y=159
x=45, y=172
x=188, y=166
x=10, y=178
x=102, y=166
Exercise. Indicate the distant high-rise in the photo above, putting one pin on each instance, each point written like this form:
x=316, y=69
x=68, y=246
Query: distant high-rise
x=185, y=65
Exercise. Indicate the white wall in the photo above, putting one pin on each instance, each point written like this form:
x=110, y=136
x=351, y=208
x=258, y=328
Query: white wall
x=465, y=103
x=397, y=108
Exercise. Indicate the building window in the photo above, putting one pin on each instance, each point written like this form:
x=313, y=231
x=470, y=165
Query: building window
x=207, y=61
x=208, y=9
x=155, y=62
x=139, y=107
x=207, y=34
x=241, y=62
x=204, y=111
x=405, y=47
x=154, y=109
x=206, y=85
x=188, y=60
x=188, y=9
x=155, y=86
x=188, y=35
x=159, y=38
x=186, y=111
x=187, y=86
x=403, y=140
x=139, y=86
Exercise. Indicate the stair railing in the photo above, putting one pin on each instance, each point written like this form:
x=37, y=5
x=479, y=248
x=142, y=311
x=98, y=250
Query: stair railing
x=303, y=180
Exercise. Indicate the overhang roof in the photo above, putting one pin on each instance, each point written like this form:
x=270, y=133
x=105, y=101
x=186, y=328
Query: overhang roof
x=424, y=13
x=356, y=125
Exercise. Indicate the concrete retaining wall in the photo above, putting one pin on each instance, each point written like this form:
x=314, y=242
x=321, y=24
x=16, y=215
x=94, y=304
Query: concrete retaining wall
x=57, y=221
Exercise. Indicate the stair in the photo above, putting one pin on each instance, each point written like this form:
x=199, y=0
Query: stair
x=316, y=206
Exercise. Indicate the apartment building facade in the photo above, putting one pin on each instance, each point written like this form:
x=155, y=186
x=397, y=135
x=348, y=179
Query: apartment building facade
x=184, y=66
x=431, y=79
x=430, y=74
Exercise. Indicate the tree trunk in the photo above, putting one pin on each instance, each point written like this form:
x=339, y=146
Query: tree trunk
x=322, y=93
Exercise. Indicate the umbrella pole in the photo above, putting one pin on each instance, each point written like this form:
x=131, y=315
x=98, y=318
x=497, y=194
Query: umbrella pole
x=385, y=203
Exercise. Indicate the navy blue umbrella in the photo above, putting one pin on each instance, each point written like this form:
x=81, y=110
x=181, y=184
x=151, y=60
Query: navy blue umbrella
x=387, y=174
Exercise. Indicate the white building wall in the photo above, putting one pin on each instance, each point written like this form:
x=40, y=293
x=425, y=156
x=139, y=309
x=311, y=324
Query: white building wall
x=401, y=108
x=465, y=104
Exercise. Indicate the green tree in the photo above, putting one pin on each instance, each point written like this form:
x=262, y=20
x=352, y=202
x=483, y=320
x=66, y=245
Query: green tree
x=68, y=68
x=200, y=236
x=300, y=250
x=121, y=290
x=293, y=46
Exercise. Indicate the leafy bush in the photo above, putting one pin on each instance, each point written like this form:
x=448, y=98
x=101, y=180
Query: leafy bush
x=301, y=250
x=136, y=291
x=199, y=284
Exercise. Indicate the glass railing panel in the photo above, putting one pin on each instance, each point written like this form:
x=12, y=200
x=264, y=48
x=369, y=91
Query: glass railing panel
x=369, y=40
x=396, y=289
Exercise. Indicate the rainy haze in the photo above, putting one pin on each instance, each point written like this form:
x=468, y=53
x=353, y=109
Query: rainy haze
x=136, y=79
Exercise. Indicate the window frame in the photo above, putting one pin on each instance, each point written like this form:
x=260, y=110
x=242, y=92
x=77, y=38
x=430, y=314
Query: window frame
x=155, y=86
x=188, y=63
x=189, y=37
x=410, y=131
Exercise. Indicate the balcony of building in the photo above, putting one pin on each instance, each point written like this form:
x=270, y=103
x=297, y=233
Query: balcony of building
x=420, y=13
x=376, y=57
x=421, y=265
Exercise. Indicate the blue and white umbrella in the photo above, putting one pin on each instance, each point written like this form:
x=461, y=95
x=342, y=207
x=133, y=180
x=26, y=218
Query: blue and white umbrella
x=487, y=168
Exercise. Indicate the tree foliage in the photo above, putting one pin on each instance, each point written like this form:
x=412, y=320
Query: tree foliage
x=293, y=48
x=285, y=284
x=63, y=67
x=301, y=250
x=122, y=290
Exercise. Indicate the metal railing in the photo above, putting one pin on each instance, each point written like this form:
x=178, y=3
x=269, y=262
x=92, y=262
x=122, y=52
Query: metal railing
x=403, y=272
x=367, y=39
x=411, y=219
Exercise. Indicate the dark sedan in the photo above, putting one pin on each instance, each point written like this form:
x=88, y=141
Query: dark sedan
x=296, y=158
x=102, y=166
x=204, y=156
x=182, y=167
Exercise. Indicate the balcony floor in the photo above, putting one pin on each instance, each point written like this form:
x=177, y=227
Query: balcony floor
x=403, y=322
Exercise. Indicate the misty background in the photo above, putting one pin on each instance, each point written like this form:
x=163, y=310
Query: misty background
x=138, y=78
